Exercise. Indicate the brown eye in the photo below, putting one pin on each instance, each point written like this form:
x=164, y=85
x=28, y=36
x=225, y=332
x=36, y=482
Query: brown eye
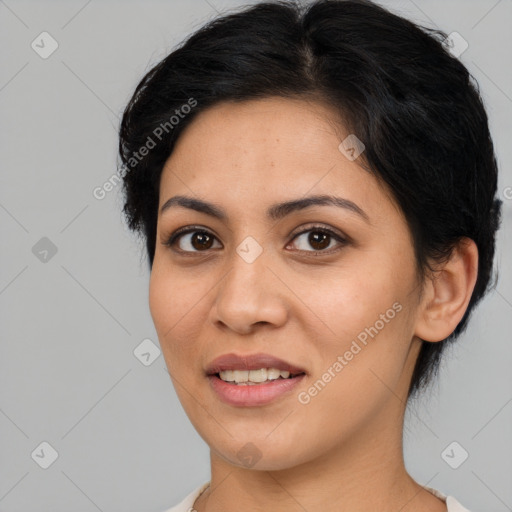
x=192, y=240
x=201, y=240
x=319, y=239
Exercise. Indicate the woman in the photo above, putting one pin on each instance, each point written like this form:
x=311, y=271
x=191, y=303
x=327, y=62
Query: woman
x=316, y=187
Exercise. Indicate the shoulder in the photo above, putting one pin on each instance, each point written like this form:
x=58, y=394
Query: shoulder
x=187, y=503
x=452, y=505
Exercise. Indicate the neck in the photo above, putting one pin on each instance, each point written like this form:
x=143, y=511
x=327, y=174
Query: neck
x=365, y=472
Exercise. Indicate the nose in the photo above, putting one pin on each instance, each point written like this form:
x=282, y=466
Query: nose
x=249, y=295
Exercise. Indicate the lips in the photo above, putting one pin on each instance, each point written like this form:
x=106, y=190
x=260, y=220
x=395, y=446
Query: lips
x=251, y=362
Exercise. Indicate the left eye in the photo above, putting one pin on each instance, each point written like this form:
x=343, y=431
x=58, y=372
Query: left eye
x=319, y=239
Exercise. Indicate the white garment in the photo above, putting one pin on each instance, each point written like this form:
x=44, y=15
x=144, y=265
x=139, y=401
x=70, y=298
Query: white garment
x=188, y=502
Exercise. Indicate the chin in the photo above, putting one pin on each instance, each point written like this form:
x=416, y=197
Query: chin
x=260, y=454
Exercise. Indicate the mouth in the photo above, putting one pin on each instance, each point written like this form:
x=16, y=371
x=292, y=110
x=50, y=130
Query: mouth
x=252, y=380
x=255, y=368
x=247, y=394
x=255, y=377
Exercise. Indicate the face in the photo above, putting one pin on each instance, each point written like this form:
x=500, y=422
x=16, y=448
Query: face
x=329, y=288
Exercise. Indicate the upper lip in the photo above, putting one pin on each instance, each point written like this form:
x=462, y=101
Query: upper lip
x=250, y=362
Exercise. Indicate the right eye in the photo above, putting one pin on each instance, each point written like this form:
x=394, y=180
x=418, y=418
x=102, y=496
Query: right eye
x=192, y=240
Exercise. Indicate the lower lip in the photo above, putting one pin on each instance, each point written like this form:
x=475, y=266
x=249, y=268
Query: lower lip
x=250, y=396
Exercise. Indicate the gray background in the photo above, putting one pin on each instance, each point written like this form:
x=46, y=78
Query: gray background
x=70, y=324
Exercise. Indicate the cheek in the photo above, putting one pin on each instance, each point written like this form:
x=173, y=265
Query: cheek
x=175, y=303
x=173, y=296
x=363, y=318
x=162, y=303
x=345, y=302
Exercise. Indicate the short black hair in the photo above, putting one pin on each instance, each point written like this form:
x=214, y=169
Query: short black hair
x=393, y=83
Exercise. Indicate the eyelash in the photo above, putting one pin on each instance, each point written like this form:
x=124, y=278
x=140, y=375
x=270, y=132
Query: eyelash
x=171, y=241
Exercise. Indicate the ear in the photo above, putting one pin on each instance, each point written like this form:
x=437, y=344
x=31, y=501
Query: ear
x=447, y=293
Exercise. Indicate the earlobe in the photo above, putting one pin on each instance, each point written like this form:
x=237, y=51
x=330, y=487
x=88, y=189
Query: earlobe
x=448, y=292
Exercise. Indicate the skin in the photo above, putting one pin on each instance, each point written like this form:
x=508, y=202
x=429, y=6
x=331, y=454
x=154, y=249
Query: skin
x=342, y=451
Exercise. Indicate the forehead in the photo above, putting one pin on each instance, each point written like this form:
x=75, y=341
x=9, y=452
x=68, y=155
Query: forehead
x=264, y=150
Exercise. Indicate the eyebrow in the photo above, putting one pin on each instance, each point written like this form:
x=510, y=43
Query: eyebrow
x=274, y=212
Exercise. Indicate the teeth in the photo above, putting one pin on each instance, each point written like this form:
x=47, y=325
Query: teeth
x=240, y=375
x=253, y=376
x=273, y=373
